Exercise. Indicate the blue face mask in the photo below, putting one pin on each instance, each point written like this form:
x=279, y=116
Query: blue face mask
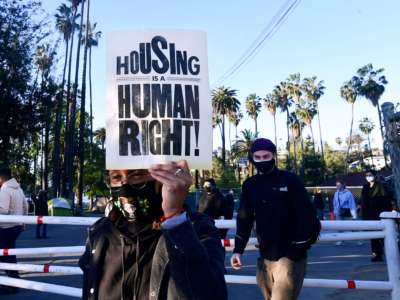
x=265, y=166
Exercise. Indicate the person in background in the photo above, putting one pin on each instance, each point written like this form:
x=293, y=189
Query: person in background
x=230, y=204
x=318, y=201
x=12, y=202
x=344, y=204
x=213, y=203
x=375, y=199
x=41, y=209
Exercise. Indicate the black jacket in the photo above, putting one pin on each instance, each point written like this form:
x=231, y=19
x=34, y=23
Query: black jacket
x=374, y=200
x=213, y=204
x=283, y=212
x=186, y=262
x=41, y=207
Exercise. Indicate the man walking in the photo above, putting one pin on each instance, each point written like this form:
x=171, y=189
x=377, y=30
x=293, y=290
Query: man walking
x=12, y=202
x=286, y=224
x=41, y=209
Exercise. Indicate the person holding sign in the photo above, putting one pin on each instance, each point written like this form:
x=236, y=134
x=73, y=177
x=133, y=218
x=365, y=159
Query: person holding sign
x=286, y=224
x=149, y=246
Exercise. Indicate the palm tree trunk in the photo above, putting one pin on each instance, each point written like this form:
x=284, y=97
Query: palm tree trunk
x=370, y=149
x=295, y=155
x=46, y=153
x=288, y=134
x=230, y=140
x=91, y=102
x=57, y=130
x=276, y=140
x=66, y=181
x=351, y=134
x=320, y=133
x=312, y=137
x=255, y=126
x=72, y=112
x=82, y=116
x=223, y=140
x=382, y=134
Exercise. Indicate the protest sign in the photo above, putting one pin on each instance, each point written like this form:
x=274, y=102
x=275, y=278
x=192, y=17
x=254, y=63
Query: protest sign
x=158, y=99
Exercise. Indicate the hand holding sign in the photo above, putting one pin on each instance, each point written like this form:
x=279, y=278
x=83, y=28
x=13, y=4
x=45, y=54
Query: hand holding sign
x=158, y=99
x=175, y=184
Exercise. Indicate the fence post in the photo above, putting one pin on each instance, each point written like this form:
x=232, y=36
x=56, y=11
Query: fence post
x=392, y=254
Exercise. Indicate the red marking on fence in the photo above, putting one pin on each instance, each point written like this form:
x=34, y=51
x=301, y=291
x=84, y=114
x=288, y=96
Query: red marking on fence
x=46, y=268
x=351, y=284
x=5, y=252
x=40, y=220
x=227, y=243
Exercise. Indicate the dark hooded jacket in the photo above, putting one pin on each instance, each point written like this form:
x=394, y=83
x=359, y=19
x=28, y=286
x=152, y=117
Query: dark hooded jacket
x=128, y=262
x=375, y=200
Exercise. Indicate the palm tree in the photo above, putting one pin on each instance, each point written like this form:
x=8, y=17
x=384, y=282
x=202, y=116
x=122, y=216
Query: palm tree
x=280, y=93
x=81, y=145
x=234, y=118
x=241, y=147
x=100, y=136
x=253, y=108
x=306, y=112
x=366, y=126
x=313, y=91
x=65, y=26
x=44, y=60
x=295, y=126
x=371, y=85
x=348, y=92
x=92, y=40
x=68, y=139
x=224, y=101
x=339, y=141
x=271, y=103
x=294, y=87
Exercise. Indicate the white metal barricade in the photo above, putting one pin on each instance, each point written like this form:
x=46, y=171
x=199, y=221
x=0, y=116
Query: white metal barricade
x=385, y=228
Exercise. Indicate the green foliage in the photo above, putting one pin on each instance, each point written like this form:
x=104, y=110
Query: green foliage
x=224, y=175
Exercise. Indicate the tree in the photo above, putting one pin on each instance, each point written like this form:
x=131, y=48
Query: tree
x=100, y=136
x=241, y=147
x=295, y=126
x=234, y=118
x=92, y=40
x=313, y=91
x=81, y=145
x=371, y=85
x=44, y=60
x=71, y=109
x=348, y=92
x=224, y=101
x=253, y=108
x=294, y=88
x=306, y=111
x=338, y=141
x=271, y=103
x=366, y=126
x=65, y=25
x=20, y=32
x=280, y=92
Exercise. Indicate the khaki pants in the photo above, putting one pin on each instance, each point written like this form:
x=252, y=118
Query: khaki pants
x=282, y=279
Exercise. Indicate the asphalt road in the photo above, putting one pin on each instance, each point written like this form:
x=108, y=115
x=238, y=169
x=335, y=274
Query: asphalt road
x=350, y=261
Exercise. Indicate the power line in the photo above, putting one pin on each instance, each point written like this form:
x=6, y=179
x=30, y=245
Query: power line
x=273, y=26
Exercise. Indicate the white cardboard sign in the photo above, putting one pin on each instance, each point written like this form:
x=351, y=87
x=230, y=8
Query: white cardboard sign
x=158, y=99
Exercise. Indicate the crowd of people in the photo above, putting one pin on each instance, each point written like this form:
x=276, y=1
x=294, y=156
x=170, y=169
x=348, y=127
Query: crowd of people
x=150, y=245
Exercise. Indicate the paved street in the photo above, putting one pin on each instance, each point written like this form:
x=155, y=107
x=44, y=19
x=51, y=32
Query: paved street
x=350, y=261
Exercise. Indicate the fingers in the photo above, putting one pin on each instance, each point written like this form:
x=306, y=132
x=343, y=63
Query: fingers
x=236, y=262
x=166, y=173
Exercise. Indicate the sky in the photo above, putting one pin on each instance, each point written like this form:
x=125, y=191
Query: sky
x=329, y=39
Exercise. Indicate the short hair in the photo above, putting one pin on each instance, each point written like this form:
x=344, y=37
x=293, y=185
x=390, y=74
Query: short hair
x=372, y=171
x=341, y=180
x=211, y=181
x=5, y=172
